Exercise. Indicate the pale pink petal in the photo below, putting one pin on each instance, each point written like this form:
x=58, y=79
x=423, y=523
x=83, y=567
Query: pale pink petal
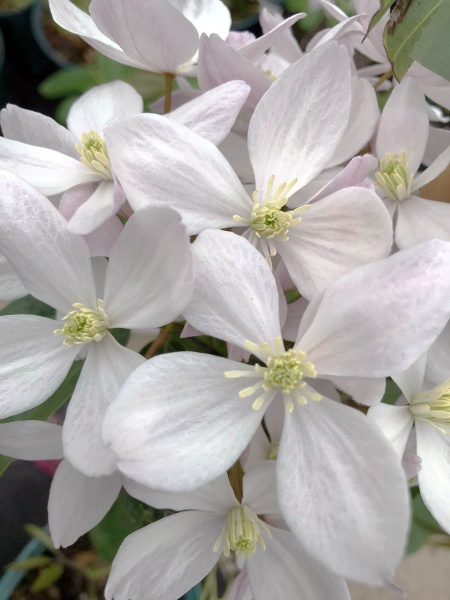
x=436, y=168
x=419, y=220
x=285, y=45
x=11, y=287
x=97, y=209
x=260, y=488
x=411, y=380
x=395, y=422
x=438, y=355
x=31, y=440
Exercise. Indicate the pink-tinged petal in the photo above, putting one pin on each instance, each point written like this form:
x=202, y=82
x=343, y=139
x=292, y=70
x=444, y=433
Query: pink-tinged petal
x=257, y=48
x=102, y=103
x=154, y=34
x=260, y=488
x=411, y=464
x=341, y=484
x=30, y=127
x=234, y=148
x=240, y=589
x=235, y=294
x=411, y=380
x=168, y=557
x=337, y=234
x=395, y=422
x=167, y=163
x=289, y=142
x=218, y=63
x=285, y=570
x=213, y=114
x=437, y=369
x=49, y=171
x=217, y=496
x=438, y=142
x=353, y=174
x=364, y=115
x=31, y=440
x=77, y=503
x=294, y=315
x=176, y=401
x=100, y=241
x=285, y=45
x=207, y=16
x=150, y=275
x=97, y=209
x=367, y=391
x=107, y=366
x=33, y=362
x=404, y=123
x=433, y=447
x=380, y=318
x=419, y=220
x=11, y=288
x=436, y=168
x=70, y=17
x=53, y=264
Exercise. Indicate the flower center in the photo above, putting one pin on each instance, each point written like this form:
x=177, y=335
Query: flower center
x=84, y=325
x=284, y=371
x=241, y=533
x=433, y=407
x=273, y=454
x=394, y=176
x=94, y=155
x=267, y=219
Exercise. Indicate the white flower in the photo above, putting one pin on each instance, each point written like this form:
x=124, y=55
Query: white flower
x=400, y=146
x=148, y=283
x=288, y=148
x=161, y=36
x=167, y=558
x=365, y=325
x=428, y=409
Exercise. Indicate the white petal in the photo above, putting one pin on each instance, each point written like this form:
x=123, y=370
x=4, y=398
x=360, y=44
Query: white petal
x=286, y=571
x=33, y=362
x=419, y=220
x=11, y=288
x=235, y=294
x=182, y=170
x=433, y=447
x=218, y=63
x=240, y=588
x=53, y=264
x=437, y=364
x=77, y=503
x=364, y=115
x=102, y=103
x=213, y=114
x=106, y=368
x=70, y=17
x=339, y=233
x=365, y=324
x=340, y=485
x=154, y=34
x=438, y=142
x=49, y=171
x=149, y=278
x=216, y=496
x=294, y=316
x=411, y=380
x=30, y=127
x=291, y=143
x=166, y=558
x=395, y=422
x=436, y=168
x=207, y=16
x=176, y=401
x=95, y=211
x=404, y=123
x=365, y=390
x=285, y=45
x=31, y=440
x=260, y=488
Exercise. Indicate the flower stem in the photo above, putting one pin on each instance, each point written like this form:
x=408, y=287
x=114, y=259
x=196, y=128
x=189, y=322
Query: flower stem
x=383, y=78
x=162, y=337
x=168, y=91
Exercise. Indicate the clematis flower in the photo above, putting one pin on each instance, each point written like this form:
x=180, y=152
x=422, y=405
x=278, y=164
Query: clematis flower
x=167, y=558
x=148, y=282
x=428, y=411
x=210, y=407
x=161, y=36
x=289, y=144
x=400, y=146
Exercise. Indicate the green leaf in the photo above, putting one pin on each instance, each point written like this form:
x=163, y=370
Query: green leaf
x=34, y=562
x=292, y=296
x=120, y=335
x=423, y=525
x=376, y=18
x=116, y=525
x=47, y=577
x=404, y=29
x=45, y=410
x=392, y=392
x=432, y=49
x=28, y=306
x=68, y=82
x=110, y=70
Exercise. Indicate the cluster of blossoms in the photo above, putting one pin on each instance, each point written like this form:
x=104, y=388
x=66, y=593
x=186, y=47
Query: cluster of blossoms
x=279, y=173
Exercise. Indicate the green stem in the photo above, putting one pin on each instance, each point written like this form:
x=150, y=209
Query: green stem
x=168, y=91
x=383, y=78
